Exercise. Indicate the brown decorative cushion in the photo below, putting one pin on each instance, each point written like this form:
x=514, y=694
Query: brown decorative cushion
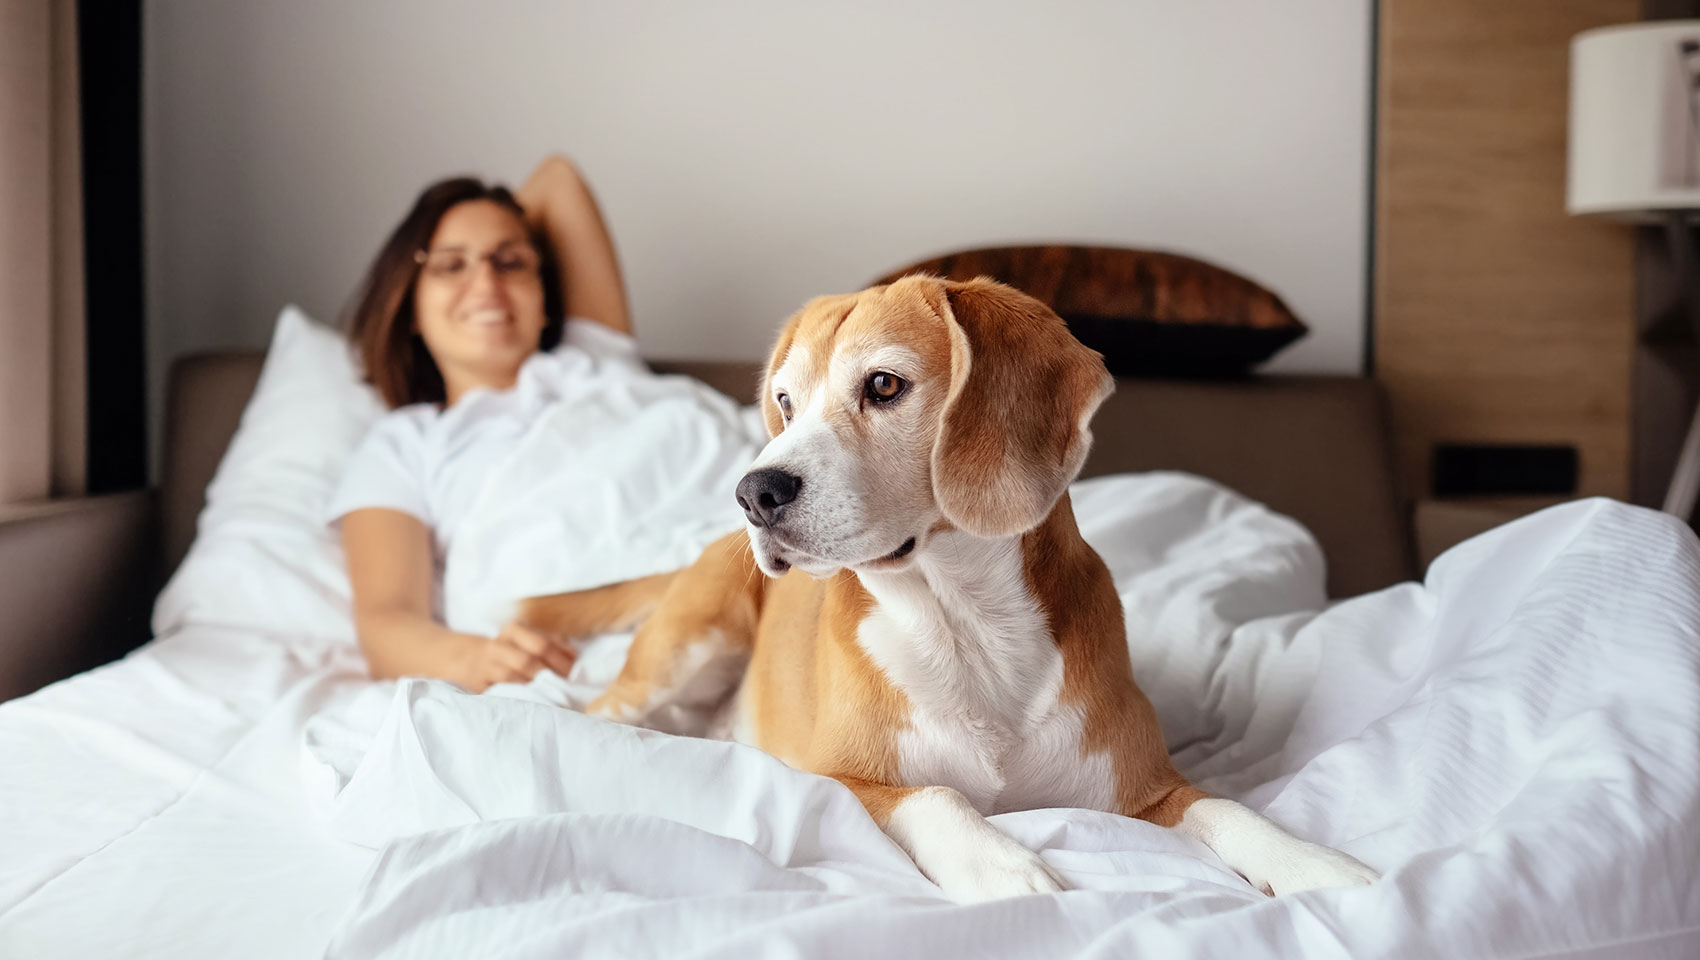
x=1150, y=314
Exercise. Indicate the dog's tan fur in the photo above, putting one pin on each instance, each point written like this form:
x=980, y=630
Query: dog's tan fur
x=1006, y=394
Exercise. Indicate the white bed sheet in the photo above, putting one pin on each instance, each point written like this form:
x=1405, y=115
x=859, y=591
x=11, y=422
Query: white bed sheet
x=1517, y=746
x=1516, y=743
x=154, y=808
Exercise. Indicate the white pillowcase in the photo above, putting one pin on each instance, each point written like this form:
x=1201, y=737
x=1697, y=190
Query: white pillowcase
x=263, y=557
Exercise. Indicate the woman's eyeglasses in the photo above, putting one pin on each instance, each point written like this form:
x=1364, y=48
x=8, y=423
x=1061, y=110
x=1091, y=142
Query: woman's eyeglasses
x=454, y=264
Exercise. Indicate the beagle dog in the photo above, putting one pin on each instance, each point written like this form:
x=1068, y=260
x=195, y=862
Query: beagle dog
x=931, y=631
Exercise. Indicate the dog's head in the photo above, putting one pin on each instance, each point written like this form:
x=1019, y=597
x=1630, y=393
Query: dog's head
x=913, y=408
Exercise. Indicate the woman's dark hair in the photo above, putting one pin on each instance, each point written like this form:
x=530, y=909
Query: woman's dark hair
x=381, y=322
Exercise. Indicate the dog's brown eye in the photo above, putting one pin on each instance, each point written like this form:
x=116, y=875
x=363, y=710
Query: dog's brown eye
x=784, y=401
x=884, y=387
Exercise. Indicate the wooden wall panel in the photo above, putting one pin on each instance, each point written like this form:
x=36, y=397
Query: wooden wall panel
x=1498, y=318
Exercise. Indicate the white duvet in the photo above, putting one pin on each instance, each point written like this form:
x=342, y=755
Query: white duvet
x=1515, y=744
x=620, y=474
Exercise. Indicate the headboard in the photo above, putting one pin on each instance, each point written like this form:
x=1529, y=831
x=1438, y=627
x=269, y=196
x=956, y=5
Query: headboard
x=1313, y=448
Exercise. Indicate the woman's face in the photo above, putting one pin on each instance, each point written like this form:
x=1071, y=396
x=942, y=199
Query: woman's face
x=479, y=299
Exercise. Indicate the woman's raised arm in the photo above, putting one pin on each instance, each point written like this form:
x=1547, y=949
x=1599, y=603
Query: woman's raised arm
x=558, y=201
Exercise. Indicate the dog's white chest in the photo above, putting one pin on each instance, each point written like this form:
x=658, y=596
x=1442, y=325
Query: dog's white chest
x=972, y=653
x=1002, y=768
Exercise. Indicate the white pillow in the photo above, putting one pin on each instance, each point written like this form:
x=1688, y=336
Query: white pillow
x=263, y=557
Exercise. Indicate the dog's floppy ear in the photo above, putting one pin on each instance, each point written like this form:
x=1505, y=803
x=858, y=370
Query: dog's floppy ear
x=1023, y=390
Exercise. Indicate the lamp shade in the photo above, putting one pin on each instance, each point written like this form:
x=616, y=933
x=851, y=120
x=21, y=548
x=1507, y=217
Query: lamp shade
x=1635, y=120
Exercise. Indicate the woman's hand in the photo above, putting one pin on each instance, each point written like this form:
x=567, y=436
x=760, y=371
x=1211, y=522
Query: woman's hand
x=515, y=655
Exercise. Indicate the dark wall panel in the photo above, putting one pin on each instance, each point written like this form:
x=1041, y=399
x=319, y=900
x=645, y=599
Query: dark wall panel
x=109, y=48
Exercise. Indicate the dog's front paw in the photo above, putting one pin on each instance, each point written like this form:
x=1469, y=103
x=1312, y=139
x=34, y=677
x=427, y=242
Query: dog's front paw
x=609, y=707
x=1272, y=859
x=1310, y=866
x=968, y=858
x=996, y=867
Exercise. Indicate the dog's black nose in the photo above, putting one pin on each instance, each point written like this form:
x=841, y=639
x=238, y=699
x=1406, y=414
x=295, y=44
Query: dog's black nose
x=762, y=493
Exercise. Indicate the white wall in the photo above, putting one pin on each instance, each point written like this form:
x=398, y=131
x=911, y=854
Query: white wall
x=752, y=154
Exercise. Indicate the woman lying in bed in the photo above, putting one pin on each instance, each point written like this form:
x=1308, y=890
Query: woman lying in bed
x=472, y=284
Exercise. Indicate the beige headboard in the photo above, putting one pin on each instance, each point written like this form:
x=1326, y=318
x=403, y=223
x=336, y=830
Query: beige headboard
x=1314, y=448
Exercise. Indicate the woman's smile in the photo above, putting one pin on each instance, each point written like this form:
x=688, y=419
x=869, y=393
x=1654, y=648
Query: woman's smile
x=490, y=317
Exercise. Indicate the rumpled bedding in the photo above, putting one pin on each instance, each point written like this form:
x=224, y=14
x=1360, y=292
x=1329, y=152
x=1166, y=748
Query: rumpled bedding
x=621, y=474
x=1514, y=743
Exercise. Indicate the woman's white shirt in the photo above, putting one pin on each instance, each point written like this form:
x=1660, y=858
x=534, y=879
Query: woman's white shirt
x=591, y=469
x=431, y=463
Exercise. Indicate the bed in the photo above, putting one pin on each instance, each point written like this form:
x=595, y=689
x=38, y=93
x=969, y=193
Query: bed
x=1514, y=741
